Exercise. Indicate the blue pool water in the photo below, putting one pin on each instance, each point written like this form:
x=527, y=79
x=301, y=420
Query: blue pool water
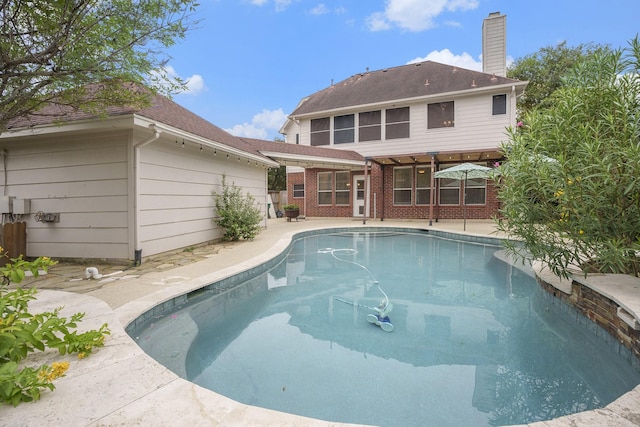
x=475, y=340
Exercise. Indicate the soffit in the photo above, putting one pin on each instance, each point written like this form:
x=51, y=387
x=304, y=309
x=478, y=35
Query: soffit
x=449, y=157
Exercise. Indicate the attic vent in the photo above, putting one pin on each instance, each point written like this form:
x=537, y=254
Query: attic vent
x=426, y=83
x=494, y=78
x=385, y=70
x=473, y=83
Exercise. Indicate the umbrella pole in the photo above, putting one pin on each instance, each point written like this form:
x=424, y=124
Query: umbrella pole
x=464, y=201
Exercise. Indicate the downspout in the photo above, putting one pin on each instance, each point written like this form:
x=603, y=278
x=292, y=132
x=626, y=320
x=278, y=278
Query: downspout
x=266, y=196
x=512, y=110
x=136, y=177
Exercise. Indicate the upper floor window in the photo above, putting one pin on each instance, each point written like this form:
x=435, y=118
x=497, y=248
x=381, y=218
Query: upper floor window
x=440, y=115
x=499, y=104
x=343, y=129
x=397, y=123
x=320, y=131
x=369, y=126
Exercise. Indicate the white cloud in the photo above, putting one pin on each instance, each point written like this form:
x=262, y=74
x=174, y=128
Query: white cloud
x=320, y=9
x=282, y=5
x=415, y=15
x=377, y=22
x=262, y=124
x=279, y=4
x=445, y=56
x=194, y=84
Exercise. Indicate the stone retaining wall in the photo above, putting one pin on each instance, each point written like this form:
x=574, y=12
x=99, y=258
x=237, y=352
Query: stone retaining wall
x=604, y=313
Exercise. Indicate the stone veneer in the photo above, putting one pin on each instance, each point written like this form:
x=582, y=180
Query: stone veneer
x=605, y=304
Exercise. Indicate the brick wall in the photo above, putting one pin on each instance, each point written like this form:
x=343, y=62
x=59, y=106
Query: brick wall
x=295, y=178
x=381, y=180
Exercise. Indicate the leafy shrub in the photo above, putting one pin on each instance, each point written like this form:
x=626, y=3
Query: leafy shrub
x=569, y=189
x=22, y=332
x=237, y=213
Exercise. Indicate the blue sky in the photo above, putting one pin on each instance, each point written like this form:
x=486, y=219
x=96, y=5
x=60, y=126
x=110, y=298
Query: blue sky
x=249, y=62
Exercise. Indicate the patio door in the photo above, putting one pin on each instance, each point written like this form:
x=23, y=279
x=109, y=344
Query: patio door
x=359, y=194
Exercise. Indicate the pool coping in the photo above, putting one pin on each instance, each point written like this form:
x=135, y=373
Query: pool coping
x=140, y=391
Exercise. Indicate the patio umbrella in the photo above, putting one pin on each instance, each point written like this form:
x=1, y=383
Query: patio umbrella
x=465, y=171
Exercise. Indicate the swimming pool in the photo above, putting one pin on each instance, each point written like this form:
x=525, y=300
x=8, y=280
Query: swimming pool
x=474, y=340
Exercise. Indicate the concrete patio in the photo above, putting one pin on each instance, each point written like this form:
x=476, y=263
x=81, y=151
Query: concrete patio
x=121, y=385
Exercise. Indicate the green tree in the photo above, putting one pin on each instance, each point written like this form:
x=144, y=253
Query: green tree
x=545, y=69
x=237, y=213
x=53, y=51
x=570, y=187
x=278, y=179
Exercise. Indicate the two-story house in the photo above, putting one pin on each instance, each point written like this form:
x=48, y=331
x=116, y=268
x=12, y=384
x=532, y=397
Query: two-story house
x=407, y=122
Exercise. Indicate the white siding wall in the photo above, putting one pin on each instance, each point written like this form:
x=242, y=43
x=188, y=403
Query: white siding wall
x=475, y=128
x=176, y=187
x=84, y=179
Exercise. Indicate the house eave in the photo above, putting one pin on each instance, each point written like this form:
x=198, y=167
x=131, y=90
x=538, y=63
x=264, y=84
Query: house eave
x=90, y=125
x=177, y=133
x=287, y=159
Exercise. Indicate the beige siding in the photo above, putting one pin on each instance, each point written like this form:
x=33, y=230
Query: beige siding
x=475, y=129
x=84, y=179
x=176, y=187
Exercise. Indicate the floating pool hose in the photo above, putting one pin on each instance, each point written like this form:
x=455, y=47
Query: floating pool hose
x=381, y=316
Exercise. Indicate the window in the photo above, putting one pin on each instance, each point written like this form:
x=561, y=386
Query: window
x=499, y=104
x=402, y=185
x=298, y=190
x=449, y=191
x=342, y=187
x=343, y=129
x=476, y=191
x=325, y=188
x=440, y=115
x=369, y=126
x=320, y=133
x=423, y=185
x=397, y=123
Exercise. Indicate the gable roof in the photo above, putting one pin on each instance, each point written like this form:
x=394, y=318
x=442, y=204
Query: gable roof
x=422, y=79
x=162, y=110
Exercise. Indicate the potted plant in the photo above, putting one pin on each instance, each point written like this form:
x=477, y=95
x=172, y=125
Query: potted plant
x=291, y=211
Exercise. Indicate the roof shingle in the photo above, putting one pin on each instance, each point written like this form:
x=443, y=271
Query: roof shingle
x=162, y=109
x=404, y=82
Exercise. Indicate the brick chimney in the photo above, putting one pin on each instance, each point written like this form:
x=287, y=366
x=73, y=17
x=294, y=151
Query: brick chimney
x=494, y=44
